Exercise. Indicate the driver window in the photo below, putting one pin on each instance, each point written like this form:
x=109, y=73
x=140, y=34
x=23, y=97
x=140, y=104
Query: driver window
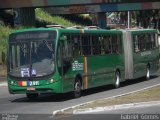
x=60, y=63
x=67, y=53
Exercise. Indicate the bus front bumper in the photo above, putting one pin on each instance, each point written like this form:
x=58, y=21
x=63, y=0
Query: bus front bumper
x=50, y=88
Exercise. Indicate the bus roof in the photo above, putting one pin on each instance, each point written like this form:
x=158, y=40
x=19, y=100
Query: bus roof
x=141, y=30
x=74, y=30
x=71, y=30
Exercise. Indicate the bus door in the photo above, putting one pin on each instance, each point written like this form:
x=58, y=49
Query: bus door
x=65, y=59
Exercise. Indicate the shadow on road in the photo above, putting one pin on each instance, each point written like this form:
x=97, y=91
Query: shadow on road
x=46, y=98
x=68, y=96
x=111, y=87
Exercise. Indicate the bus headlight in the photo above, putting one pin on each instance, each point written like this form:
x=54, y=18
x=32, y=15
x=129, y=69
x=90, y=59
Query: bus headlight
x=50, y=81
x=13, y=82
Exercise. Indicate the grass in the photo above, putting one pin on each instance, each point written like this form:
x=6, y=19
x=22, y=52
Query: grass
x=4, y=32
x=44, y=16
x=151, y=94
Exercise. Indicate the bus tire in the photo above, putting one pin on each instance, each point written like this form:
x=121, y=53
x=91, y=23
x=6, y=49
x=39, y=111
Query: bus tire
x=77, y=88
x=117, y=79
x=148, y=73
x=32, y=95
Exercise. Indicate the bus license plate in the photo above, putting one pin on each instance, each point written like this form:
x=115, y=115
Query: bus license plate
x=31, y=89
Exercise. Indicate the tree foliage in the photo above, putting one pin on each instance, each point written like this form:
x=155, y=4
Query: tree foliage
x=145, y=19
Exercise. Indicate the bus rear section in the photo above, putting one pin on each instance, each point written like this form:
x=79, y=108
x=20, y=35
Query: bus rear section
x=93, y=58
x=141, y=53
x=31, y=62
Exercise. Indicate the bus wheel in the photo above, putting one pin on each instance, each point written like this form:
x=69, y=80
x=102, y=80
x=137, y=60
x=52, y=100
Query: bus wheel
x=148, y=73
x=117, y=80
x=32, y=95
x=77, y=88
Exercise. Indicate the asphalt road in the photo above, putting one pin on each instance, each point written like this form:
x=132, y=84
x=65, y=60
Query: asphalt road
x=46, y=104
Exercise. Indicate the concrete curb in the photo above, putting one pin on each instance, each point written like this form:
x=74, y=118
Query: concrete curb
x=115, y=107
x=3, y=84
x=100, y=108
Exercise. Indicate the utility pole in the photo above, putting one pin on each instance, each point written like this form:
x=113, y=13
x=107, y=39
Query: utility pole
x=128, y=19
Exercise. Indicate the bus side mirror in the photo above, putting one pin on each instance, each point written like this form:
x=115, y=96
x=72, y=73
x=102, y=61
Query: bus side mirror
x=63, y=38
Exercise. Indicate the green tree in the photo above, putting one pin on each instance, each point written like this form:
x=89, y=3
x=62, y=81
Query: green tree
x=145, y=18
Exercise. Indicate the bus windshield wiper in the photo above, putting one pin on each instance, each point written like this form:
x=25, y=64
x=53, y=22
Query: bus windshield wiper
x=49, y=47
x=21, y=46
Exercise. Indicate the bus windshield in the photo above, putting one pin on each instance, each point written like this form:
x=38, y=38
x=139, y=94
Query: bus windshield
x=31, y=57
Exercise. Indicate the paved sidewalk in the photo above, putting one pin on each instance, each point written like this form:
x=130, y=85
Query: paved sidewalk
x=3, y=84
x=114, y=107
x=2, y=79
x=3, y=72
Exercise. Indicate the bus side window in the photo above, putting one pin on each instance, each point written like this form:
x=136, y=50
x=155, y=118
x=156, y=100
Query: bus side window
x=67, y=54
x=153, y=41
x=147, y=42
x=76, y=45
x=140, y=42
x=64, y=55
x=143, y=40
x=113, y=43
x=96, y=45
x=86, y=45
x=119, y=43
x=103, y=46
x=136, y=44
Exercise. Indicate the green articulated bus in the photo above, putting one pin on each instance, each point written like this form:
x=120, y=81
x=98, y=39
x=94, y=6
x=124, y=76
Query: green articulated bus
x=60, y=60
